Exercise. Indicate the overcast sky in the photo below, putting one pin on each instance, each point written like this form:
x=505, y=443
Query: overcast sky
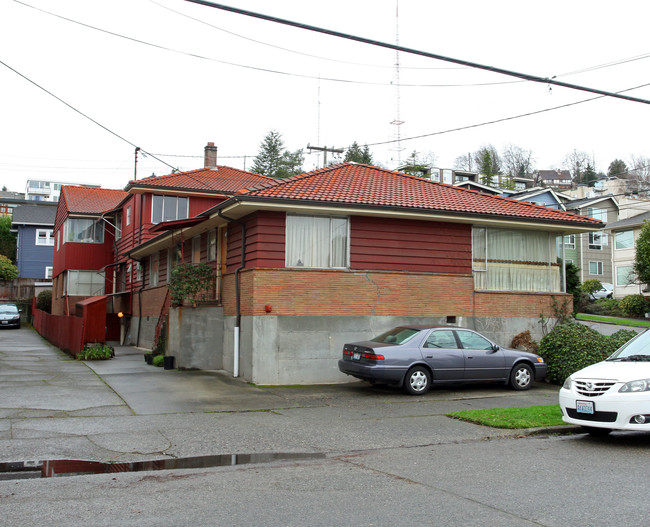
x=169, y=75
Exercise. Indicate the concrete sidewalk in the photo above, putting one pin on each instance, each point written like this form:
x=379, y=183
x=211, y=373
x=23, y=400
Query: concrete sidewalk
x=53, y=407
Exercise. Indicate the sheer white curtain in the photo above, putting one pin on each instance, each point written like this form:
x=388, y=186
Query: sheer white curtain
x=316, y=241
x=515, y=260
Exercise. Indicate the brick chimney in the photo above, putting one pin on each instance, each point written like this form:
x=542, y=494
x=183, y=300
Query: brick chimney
x=210, y=157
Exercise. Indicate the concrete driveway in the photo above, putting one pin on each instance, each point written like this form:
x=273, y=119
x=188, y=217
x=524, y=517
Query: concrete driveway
x=53, y=407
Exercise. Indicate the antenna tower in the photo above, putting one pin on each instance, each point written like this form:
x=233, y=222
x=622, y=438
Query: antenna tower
x=397, y=121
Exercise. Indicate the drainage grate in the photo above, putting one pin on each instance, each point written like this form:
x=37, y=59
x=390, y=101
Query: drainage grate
x=76, y=467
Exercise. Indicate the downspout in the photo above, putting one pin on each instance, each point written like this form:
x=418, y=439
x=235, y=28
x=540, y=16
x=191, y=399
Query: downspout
x=235, y=368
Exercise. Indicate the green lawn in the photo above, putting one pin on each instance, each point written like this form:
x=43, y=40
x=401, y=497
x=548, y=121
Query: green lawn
x=613, y=320
x=525, y=417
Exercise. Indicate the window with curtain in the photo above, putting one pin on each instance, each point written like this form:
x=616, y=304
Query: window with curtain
x=154, y=261
x=83, y=231
x=317, y=241
x=515, y=260
x=196, y=250
x=212, y=245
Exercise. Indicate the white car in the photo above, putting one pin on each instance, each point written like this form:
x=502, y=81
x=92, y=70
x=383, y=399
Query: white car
x=607, y=291
x=613, y=394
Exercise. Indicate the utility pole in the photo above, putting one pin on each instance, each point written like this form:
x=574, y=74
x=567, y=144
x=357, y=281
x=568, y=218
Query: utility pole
x=135, y=168
x=325, y=149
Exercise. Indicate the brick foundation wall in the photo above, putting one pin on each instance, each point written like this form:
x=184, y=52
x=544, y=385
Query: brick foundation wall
x=315, y=292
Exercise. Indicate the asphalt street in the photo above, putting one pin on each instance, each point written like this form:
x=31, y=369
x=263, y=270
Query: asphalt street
x=378, y=457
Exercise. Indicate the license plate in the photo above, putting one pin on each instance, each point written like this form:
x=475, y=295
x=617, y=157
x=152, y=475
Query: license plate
x=5, y=322
x=585, y=407
x=356, y=356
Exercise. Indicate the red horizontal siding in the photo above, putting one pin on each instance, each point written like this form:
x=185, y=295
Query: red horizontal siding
x=409, y=245
x=265, y=238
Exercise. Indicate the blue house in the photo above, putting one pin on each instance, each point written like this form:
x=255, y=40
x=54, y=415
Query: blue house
x=35, y=244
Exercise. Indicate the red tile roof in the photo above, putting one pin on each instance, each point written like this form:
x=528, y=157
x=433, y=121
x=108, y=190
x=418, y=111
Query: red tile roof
x=90, y=200
x=356, y=184
x=224, y=180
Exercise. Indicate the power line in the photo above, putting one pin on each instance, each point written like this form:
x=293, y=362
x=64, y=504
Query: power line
x=524, y=76
x=495, y=121
x=257, y=68
x=81, y=113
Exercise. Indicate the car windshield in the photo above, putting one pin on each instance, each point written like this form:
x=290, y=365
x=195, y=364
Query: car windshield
x=636, y=350
x=397, y=336
x=8, y=310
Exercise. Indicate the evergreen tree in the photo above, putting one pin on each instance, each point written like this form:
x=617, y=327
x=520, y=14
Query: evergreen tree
x=7, y=239
x=589, y=176
x=356, y=154
x=274, y=160
x=642, y=255
x=617, y=168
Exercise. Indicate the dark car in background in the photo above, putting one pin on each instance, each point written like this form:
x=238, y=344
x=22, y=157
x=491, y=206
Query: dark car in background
x=9, y=316
x=414, y=357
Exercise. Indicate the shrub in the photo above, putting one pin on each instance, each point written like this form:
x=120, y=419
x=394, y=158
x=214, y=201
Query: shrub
x=591, y=286
x=158, y=360
x=605, y=307
x=96, y=352
x=633, y=305
x=524, y=341
x=571, y=347
x=44, y=301
x=8, y=271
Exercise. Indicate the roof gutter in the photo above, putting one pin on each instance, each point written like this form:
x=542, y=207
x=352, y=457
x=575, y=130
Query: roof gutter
x=235, y=367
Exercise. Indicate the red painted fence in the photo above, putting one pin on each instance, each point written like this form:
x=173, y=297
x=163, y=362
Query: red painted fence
x=64, y=332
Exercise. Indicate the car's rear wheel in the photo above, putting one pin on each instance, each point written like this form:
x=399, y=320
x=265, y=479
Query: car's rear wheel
x=418, y=381
x=596, y=432
x=521, y=377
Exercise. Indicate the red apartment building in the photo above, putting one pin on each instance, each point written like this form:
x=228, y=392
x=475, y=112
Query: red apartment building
x=348, y=251
x=96, y=228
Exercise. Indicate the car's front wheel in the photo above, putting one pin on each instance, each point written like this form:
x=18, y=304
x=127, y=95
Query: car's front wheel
x=418, y=381
x=521, y=377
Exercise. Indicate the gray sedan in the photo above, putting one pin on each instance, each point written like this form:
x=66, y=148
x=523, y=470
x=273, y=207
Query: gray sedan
x=415, y=356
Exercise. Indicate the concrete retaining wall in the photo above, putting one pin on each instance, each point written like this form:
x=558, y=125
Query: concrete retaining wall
x=195, y=337
x=306, y=350
x=298, y=350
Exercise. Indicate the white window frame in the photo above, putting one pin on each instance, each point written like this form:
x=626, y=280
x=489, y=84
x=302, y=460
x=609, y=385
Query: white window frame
x=596, y=241
x=93, y=283
x=118, y=226
x=49, y=237
x=616, y=239
x=599, y=268
x=597, y=213
x=629, y=273
x=96, y=229
x=128, y=216
x=570, y=241
x=296, y=257
x=48, y=272
x=170, y=207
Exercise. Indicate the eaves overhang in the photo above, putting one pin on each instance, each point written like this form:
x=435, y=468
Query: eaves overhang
x=240, y=206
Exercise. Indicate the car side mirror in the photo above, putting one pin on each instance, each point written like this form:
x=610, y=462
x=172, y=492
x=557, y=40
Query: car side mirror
x=496, y=347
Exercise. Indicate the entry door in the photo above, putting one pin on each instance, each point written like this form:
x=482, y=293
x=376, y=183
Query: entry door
x=442, y=353
x=481, y=360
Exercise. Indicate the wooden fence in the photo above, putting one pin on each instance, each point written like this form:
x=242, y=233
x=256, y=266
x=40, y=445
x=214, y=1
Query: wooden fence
x=65, y=332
